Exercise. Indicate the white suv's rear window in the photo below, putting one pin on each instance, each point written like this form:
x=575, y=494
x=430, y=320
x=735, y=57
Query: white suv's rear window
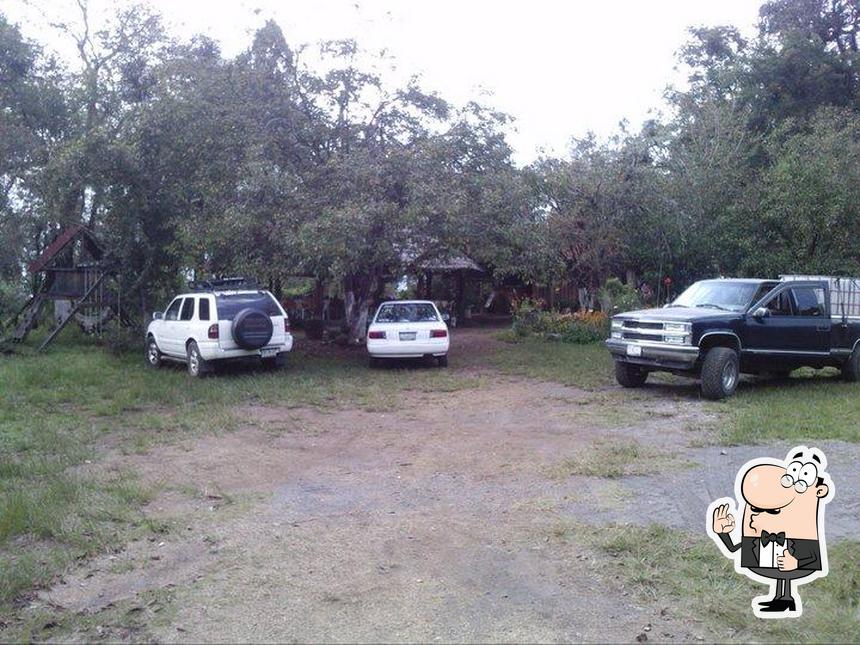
x=231, y=304
x=396, y=312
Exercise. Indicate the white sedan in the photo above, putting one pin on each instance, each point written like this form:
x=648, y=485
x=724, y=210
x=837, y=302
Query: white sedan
x=408, y=329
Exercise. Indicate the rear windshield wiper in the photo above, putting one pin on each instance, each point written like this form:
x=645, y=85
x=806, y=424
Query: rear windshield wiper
x=710, y=304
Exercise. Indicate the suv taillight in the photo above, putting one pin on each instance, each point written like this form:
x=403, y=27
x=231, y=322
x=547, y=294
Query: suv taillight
x=376, y=335
x=438, y=333
x=286, y=325
x=213, y=331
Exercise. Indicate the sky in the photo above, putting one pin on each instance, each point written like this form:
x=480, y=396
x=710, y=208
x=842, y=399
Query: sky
x=560, y=68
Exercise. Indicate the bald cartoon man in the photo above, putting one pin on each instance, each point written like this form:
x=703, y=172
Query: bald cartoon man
x=782, y=530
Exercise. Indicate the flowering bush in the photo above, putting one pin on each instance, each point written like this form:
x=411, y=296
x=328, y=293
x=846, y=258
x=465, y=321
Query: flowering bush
x=577, y=327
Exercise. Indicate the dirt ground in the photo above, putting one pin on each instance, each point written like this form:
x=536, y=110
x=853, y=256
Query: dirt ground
x=428, y=522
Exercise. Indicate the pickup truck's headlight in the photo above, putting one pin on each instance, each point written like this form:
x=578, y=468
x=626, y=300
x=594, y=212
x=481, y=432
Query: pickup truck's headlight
x=617, y=324
x=616, y=334
x=677, y=340
x=683, y=327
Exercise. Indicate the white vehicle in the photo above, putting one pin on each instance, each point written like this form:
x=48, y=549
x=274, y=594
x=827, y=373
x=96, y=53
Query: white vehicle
x=408, y=329
x=218, y=321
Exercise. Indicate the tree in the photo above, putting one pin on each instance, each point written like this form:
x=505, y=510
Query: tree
x=806, y=216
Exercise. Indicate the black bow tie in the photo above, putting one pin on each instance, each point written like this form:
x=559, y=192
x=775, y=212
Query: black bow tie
x=767, y=538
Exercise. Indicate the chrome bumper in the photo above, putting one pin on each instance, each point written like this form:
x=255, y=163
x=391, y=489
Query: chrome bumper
x=655, y=353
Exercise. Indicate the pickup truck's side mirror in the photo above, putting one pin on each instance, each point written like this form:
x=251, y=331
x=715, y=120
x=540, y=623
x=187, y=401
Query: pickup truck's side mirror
x=157, y=315
x=761, y=312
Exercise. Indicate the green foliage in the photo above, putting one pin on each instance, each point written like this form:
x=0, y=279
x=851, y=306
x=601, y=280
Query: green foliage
x=580, y=327
x=189, y=162
x=615, y=296
x=12, y=298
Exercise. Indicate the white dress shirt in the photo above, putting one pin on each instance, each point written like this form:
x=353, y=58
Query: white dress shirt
x=767, y=555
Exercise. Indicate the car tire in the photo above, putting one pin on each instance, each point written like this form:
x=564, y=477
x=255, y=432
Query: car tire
x=629, y=375
x=720, y=373
x=851, y=369
x=198, y=367
x=153, y=354
x=373, y=362
x=442, y=361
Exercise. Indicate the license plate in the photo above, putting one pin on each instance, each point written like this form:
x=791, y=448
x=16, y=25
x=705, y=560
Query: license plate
x=407, y=335
x=634, y=350
x=268, y=353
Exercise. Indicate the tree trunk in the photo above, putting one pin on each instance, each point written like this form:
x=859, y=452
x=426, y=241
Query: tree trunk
x=357, y=291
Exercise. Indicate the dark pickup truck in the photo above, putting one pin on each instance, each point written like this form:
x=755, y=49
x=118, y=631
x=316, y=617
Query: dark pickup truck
x=718, y=329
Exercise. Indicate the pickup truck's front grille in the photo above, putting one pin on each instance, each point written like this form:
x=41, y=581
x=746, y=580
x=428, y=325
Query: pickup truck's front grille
x=652, y=331
x=632, y=335
x=641, y=324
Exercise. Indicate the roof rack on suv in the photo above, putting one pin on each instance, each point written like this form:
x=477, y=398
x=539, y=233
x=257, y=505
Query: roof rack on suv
x=217, y=284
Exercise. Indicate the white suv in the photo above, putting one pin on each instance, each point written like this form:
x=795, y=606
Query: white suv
x=219, y=320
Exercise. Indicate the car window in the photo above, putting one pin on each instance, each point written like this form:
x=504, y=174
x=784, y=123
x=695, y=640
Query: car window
x=808, y=301
x=780, y=305
x=763, y=290
x=395, y=312
x=187, y=309
x=172, y=312
x=231, y=304
x=203, y=309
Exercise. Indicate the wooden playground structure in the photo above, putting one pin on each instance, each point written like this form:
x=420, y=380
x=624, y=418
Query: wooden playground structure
x=78, y=277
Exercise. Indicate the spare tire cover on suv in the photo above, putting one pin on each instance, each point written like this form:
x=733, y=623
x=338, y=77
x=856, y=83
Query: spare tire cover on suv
x=252, y=329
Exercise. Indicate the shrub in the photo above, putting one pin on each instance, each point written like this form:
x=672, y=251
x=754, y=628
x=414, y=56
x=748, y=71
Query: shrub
x=615, y=296
x=579, y=327
x=527, y=315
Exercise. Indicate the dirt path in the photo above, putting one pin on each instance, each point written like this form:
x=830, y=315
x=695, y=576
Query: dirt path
x=429, y=522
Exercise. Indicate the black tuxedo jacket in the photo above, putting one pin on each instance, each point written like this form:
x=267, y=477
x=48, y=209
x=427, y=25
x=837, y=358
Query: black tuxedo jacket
x=807, y=552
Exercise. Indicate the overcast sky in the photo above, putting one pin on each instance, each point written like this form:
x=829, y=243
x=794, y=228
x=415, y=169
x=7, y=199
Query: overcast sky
x=560, y=68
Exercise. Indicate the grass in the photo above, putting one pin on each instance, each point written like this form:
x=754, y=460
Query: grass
x=688, y=573
x=613, y=459
x=584, y=366
x=61, y=410
x=58, y=412
x=813, y=405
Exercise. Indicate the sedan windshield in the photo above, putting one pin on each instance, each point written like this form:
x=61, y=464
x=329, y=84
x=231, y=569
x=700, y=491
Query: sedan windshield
x=718, y=294
x=411, y=312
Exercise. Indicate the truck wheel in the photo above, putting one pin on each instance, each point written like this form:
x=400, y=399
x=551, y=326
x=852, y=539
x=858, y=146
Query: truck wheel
x=629, y=375
x=197, y=365
x=442, y=361
x=153, y=355
x=720, y=373
x=851, y=369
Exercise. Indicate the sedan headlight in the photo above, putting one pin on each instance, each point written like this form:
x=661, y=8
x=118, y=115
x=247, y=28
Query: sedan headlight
x=682, y=327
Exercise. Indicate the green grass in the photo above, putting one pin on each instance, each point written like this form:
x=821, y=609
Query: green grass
x=584, y=366
x=687, y=574
x=808, y=407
